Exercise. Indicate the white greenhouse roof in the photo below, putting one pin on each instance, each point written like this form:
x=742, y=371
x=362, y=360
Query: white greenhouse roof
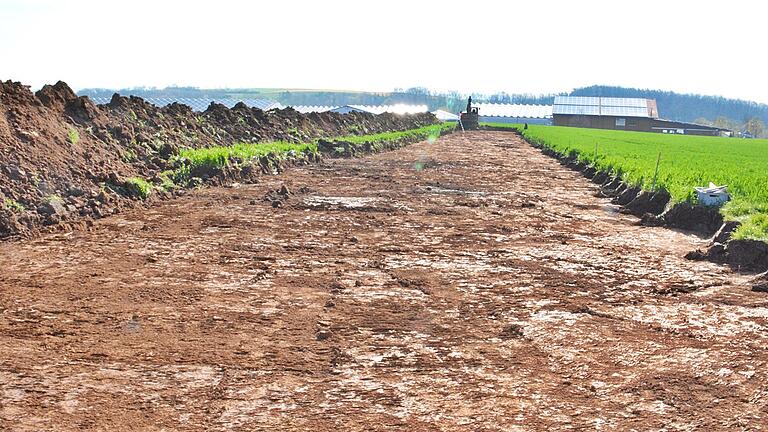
x=373, y=109
x=313, y=108
x=514, y=110
x=201, y=104
x=396, y=109
x=445, y=115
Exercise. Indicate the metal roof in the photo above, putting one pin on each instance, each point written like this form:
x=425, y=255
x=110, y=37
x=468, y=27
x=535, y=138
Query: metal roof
x=608, y=106
x=313, y=108
x=576, y=109
x=201, y=104
x=514, y=110
x=373, y=109
x=395, y=109
x=445, y=115
x=624, y=111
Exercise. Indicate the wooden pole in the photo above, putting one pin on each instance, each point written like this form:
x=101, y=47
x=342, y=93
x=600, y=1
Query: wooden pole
x=656, y=174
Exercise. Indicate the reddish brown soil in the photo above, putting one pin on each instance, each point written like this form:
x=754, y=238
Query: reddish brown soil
x=65, y=160
x=472, y=284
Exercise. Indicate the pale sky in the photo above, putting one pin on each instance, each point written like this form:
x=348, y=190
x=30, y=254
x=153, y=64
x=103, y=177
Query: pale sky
x=706, y=47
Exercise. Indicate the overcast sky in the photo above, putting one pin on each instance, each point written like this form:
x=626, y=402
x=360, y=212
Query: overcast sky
x=707, y=47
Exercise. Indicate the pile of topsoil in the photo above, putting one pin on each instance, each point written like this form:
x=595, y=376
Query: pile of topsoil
x=64, y=159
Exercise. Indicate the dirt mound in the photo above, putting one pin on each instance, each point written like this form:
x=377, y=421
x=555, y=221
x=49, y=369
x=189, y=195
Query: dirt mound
x=760, y=283
x=724, y=233
x=62, y=157
x=751, y=255
x=702, y=220
x=648, y=202
x=742, y=255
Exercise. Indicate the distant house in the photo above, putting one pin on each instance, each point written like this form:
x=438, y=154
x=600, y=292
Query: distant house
x=632, y=114
x=514, y=113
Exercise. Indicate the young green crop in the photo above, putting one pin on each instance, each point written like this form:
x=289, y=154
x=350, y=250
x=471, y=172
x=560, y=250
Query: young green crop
x=425, y=132
x=686, y=161
x=220, y=156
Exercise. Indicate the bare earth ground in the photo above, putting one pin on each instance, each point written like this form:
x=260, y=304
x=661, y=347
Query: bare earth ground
x=464, y=285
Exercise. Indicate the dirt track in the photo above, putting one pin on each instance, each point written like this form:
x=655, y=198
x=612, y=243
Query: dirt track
x=467, y=284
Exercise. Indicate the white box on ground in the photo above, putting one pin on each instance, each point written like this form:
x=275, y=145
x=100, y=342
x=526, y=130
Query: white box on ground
x=713, y=195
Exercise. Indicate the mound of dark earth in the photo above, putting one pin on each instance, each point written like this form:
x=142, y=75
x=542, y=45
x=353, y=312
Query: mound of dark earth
x=760, y=283
x=63, y=158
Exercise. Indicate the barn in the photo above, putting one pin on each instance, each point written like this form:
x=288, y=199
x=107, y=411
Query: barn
x=604, y=112
x=631, y=114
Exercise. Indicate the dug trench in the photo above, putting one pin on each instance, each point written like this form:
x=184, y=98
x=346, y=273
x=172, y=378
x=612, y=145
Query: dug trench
x=65, y=161
x=466, y=284
x=656, y=209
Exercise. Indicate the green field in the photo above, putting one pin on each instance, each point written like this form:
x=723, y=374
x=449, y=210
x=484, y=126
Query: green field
x=686, y=161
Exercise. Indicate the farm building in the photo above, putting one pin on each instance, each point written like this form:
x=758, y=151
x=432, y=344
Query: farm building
x=604, y=112
x=514, y=113
x=632, y=114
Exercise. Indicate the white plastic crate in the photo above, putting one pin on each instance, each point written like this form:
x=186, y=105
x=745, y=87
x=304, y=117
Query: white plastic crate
x=713, y=195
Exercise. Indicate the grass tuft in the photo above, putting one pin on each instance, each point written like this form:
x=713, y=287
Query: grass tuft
x=73, y=135
x=139, y=186
x=13, y=205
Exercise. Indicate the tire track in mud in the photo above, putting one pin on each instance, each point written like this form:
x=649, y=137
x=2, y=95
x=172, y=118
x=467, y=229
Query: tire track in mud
x=467, y=284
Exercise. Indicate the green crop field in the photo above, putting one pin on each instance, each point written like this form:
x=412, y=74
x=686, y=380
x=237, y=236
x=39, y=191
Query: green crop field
x=686, y=161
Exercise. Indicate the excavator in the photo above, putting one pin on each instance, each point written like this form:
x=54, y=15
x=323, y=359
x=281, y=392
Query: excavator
x=470, y=119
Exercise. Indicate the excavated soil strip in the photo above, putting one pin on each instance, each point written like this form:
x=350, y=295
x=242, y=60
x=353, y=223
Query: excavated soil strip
x=743, y=255
x=463, y=285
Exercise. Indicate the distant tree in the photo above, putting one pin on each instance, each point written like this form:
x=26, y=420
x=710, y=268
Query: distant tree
x=501, y=98
x=755, y=126
x=418, y=91
x=726, y=123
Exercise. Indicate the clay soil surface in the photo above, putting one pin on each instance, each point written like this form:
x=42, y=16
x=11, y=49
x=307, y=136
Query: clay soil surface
x=470, y=284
